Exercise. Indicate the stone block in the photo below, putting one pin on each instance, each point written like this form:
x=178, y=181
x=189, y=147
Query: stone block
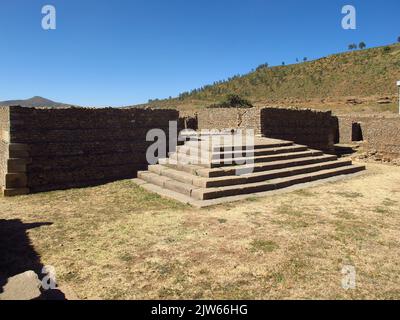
x=16, y=180
x=24, y=286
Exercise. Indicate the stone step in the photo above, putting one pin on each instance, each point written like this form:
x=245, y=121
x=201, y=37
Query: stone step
x=177, y=175
x=273, y=184
x=238, y=170
x=11, y=192
x=189, y=168
x=167, y=183
x=203, y=193
x=247, y=178
x=15, y=180
x=241, y=161
x=17, y=165
x=218, y=148
x=226, y=154
x=221, y=177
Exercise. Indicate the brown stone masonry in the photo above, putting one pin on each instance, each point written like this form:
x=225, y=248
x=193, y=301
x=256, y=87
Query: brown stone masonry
x=43, y=149
x=377, y=132
x=316, y=129
x=230, y=118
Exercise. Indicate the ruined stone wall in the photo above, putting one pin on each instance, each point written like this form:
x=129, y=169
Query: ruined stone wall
x=79, y=147
x=4, y=143
x=379, y=132
x=316, y=129
x=230, y=118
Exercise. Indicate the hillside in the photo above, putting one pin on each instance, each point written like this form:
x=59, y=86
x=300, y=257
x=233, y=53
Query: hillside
x=34, y=102
x=362, y=80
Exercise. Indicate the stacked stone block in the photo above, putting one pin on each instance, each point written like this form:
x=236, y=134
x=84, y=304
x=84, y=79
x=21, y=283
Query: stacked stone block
x=379, y=132
x=316, y=129
x=57, y=149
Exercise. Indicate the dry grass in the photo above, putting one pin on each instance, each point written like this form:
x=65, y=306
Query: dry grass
x=119, y=242
x=327, y=83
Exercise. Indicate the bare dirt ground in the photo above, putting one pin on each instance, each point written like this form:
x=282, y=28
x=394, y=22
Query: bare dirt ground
x=119, y=242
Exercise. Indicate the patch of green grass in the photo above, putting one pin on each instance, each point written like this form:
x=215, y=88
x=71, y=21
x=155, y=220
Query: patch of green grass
x=126, y=257
x=349, y=195
x=348, y=231
x=345, y=215
x=170, y=240
x=222, y=221
x=286, y=209
x=389, y=202
x=304, y=193
x=277, y=277
x=295, y=217
x=233, y=290
x=116, y=293
x=292, y=223
x=253, y=213
x=168, y=293
x=252, y=199
x=166, y=269
x=204, y=272
x=263, y=245
x=70, y=276
x=382, y=210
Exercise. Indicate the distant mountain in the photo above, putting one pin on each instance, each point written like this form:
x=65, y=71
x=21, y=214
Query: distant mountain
x=35, y=102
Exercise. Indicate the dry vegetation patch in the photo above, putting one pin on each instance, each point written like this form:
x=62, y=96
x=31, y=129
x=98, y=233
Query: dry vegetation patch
x=119, y=242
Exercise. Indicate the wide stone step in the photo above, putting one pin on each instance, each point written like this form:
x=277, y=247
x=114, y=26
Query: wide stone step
x=241, y=161
x=195, y=175
x=219, y=148
x=239, y=170
x=235, y=153
x=167, y=183
x=177, y=175
x=247, y=178
x=189, y=168
x=271, y=174
x=273, y=184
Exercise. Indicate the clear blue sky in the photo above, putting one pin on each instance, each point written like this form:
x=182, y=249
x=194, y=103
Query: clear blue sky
x=124, y=52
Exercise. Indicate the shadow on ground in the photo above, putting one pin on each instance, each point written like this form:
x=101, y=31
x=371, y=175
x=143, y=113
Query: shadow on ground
x=17, y=254
x=345, y=150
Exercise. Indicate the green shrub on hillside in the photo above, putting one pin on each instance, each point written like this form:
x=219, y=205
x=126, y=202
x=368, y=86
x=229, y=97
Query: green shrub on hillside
x=233, y=101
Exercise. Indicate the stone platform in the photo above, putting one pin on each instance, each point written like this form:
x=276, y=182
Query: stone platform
x=214, y=169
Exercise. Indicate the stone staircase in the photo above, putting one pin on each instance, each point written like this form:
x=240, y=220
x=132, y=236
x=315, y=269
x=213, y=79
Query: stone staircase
x=206, y=172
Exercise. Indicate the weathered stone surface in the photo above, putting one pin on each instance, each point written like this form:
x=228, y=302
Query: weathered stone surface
x=66, y=148
x=316, y=129
x=59, y=149
x=24, y=286
x=227, y=118
x=380, y=133
x=16, y=180
x=15, y=192
x=268, y=173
